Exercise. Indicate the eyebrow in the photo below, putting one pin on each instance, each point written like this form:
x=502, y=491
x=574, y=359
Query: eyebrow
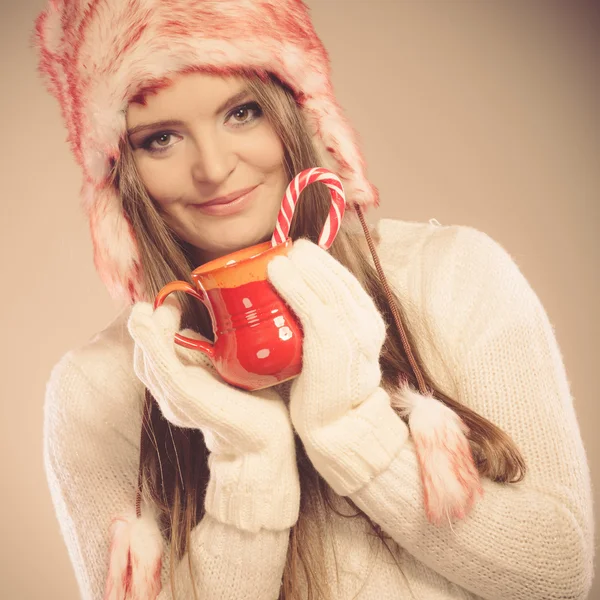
x=174, y=122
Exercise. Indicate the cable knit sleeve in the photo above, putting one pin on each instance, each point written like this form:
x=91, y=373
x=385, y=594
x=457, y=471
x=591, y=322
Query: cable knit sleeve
x=91, y=449
x=527, y=541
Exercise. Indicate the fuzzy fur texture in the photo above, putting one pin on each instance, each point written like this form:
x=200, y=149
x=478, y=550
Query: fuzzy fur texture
x=97, y=55
x=450, y=479
x=135, y=563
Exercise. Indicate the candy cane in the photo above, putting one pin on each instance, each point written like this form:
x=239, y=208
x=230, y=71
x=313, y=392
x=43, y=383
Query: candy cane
x=292, y=193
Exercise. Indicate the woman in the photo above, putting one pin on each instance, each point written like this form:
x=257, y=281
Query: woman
x=429, y=448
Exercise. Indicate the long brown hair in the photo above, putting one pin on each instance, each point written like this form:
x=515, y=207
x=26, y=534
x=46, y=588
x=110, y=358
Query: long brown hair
x=173, y=461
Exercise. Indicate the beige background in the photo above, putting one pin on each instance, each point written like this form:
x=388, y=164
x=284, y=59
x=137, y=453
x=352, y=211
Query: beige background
x=480, y=113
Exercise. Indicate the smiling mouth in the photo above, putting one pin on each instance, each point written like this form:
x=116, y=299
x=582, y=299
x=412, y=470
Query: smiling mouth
x=227, y=207
x=228, y=198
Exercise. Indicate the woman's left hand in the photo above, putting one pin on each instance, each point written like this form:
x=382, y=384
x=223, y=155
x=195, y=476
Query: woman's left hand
x=336, y=404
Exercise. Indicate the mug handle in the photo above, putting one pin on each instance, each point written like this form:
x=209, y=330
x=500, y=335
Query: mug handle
x=191, y=343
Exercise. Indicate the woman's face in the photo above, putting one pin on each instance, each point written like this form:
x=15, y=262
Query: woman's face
x=217, y=143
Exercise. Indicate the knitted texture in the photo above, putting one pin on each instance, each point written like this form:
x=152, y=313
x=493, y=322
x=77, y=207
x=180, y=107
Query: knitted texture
x=341, y=414
x=486, y=340
x=254, y=478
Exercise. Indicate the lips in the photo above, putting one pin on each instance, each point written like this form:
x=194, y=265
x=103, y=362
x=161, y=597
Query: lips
x=228, y=198
x=223, y=207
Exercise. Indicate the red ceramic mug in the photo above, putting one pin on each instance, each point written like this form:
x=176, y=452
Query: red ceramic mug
x=258, y=340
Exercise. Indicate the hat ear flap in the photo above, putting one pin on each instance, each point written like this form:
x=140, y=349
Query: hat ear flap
x=116, y=254
x=335, y=142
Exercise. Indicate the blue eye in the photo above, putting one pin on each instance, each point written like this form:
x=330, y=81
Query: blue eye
x=248, y=113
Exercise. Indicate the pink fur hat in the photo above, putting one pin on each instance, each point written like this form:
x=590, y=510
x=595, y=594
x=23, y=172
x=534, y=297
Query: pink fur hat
x=96, y=55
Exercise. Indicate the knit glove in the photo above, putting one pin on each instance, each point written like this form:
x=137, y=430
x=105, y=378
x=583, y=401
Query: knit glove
x=254, y=478
x=342, y=415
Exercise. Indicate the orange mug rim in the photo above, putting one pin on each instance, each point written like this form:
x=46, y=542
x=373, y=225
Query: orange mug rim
x=206, y=267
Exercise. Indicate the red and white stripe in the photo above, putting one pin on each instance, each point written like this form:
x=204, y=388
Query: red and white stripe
x=290, y=199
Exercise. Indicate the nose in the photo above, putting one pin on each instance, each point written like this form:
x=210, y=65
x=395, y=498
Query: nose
x=213, y=159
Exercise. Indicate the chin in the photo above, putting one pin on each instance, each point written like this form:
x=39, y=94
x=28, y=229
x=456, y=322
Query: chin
x=215, y=251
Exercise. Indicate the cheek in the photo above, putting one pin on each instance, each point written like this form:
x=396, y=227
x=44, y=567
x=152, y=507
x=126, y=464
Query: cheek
x=265, y=151
x=160, y=179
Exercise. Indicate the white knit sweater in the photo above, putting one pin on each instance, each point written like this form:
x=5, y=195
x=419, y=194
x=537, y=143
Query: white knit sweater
x=486, y=340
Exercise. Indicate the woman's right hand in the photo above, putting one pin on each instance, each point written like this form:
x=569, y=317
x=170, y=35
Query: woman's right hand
x=254, y=477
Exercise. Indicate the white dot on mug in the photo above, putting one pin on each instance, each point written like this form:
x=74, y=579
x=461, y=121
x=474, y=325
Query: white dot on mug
x=263, y=353
x=247, y=302
x=285, y=333
x=279, y=321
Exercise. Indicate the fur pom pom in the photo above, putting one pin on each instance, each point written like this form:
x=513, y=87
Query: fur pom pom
x=135, y=558
x=450, y=478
